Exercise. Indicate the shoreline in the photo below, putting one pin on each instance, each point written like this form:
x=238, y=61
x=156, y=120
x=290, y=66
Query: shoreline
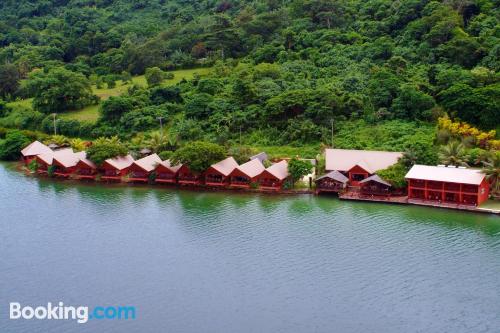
x=204, y=188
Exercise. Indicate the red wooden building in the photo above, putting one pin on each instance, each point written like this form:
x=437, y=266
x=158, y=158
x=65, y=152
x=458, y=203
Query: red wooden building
x=218, y=173
x=449, y=185
x=375, y=186
x=141, y=169
x=64, y=165
x=359, y=164
x=247, y=173
x=65, y=161
x=115, y=168
x=35, y=148
x=273, y=178
x=186, y=177
x=334, y=181
x=166, y=173
x=44, y=161
x=85, y=168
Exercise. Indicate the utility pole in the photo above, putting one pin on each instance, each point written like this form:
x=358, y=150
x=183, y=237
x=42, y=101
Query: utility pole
x=55, y=129
x=161, y=126
x=331, y=120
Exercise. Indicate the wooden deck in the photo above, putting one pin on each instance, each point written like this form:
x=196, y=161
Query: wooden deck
x=447, y=205
x=357, y=196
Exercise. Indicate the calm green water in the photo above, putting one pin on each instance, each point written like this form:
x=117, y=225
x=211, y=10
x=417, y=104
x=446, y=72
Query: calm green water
x=221, y=262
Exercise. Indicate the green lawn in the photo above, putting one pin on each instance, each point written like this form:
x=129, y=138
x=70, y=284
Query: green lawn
x=26, y=103
x=491, y=204
x=91, y=113
x=88, y=113
x=287, y=151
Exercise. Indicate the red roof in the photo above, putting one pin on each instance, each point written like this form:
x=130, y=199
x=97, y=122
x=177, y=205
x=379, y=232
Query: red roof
x=148, y=163
x=120, y=162
x=446, y=174
x=279, y=170
x=370, y=161
x=36, y=148
x=48, y=157
x=67, y=158
x=84, y=159
x=252, y=168
x=169, y=166
x=226, y=166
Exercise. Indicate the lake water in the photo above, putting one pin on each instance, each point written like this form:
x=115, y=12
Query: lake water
x=226, y=262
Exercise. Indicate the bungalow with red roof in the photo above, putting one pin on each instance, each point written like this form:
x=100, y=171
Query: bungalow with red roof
x=85, y=168
x=359, y=164
x=166, y=173
x=65, y=162
x=218, y=174
x=375, y=186
x=35, y=148
x=334, y=181
x=273, y=178
x=186, y=177
x=46, y=160
x=141, y=169
x=440, y=184
x=247, y=173
x=117, y=167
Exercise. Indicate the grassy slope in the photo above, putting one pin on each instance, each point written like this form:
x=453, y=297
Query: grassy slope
x=90, y=113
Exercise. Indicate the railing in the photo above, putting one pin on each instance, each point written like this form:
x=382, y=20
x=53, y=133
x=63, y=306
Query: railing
x=452, y=187
x=417, y=183
x=269, y=183
x=334, y=187
x=470, y=188
x=435, y=185
x=86, y=172
x=165, y=176
x=240, y=183
x=214, y=179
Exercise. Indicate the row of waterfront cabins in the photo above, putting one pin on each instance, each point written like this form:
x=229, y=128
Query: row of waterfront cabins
x=226, y=173
x=355, y=170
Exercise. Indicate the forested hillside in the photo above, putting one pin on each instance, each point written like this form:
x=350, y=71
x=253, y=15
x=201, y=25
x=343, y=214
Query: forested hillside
x=281, y=72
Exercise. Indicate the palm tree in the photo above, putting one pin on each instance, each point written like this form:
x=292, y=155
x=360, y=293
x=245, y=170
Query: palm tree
x=77, y=144
x=409, y=158
x=492, y=171
x=157, y=142
x=453, y=154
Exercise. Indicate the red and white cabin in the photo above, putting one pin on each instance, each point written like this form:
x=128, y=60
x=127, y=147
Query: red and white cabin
x=358, y=165
x=141, y=169
x=218, y=174
x=273, y=178
x=247, y=173
x=166, y=173
x=35, y=148
x=449, y=185
x=117, y=167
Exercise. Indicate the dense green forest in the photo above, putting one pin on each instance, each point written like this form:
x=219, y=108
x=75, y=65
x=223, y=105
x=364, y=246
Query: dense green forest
x=376, y=73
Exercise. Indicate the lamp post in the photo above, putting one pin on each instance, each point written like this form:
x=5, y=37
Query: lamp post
x=331, y=120
x=161, y=126
x=55, y=128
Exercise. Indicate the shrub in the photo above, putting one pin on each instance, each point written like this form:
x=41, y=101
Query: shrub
x=103, y=148
x=199, y=155
x=10, y=148
x=298, y=168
